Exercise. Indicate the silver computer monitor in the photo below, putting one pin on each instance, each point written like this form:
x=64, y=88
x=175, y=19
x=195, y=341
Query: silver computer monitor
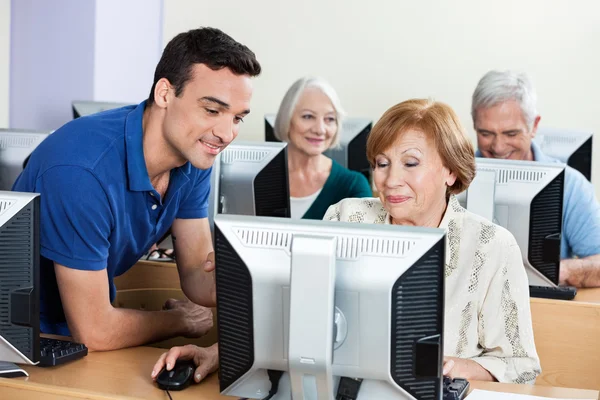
x=352, y=151
x=528, y=201
x=570, y=146
x=251, y=178
x=81, y=108
x=16, y=145
x=321, y=300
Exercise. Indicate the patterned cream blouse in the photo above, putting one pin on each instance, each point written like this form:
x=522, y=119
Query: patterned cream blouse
x=487, y=316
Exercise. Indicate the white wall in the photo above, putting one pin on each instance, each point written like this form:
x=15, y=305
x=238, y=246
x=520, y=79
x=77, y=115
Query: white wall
x=4, y=61
x=51, y=60
x=380, y=52
x=128, y=44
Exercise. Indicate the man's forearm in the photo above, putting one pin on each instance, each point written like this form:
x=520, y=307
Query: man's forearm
x=582, y=272
x=122, y=328
x=199, y=286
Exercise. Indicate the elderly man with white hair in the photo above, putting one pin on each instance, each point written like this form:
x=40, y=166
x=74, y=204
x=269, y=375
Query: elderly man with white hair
x=505, y=119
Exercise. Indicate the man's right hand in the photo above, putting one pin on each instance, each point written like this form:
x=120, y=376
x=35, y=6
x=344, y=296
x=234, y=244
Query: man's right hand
x=196, y=320
x=206, y=360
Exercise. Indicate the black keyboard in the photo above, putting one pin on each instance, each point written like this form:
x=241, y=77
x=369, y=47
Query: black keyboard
x=56, y=352
x=553, y=292
x=455, y=389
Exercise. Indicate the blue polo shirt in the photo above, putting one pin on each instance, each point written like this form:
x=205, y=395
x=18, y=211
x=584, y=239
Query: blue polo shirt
x=98, y=207
x=581, y=211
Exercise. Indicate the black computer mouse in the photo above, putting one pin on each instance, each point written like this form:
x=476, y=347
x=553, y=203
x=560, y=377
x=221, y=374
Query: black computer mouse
x=178, y=378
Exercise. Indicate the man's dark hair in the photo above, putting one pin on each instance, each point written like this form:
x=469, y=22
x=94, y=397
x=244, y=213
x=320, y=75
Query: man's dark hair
x=208, y=46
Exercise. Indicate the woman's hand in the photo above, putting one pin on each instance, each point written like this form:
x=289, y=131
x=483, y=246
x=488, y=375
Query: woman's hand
x=205, y=358
x=455, y=367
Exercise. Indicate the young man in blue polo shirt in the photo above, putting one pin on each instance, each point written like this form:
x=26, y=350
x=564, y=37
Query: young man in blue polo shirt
x=505, y=119
x=113, y=183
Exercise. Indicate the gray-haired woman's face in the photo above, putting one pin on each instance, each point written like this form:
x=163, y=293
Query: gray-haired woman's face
x=314, y=122
x=412, y=180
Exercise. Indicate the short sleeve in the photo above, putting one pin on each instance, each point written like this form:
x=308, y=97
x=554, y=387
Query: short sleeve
x=581, y=219
x=75, y=218
x=195, y=205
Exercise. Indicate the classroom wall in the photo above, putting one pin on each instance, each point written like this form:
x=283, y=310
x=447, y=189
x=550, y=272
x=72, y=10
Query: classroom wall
x=52, y=60
x=4, y=65
x=128, y=44
x=380, y=52
x=65, y=50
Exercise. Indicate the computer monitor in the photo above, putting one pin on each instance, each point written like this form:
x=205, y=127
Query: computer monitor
x=19, y=277
x=320, y=300
x=572, y=147
x=479, y=198
x=82, y=108
x=528, y=202
x=251, y=178
x=352, y=151
x=15, y=148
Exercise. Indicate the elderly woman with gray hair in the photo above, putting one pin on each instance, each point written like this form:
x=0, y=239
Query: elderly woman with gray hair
x=310, y=120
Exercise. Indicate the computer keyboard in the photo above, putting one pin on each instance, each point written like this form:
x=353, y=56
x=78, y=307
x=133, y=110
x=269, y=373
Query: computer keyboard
x=56, y=352
x=455, y=389
x=553, y=292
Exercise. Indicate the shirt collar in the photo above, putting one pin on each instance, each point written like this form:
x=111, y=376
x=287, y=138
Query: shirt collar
x=452, y=209
x=538, y=155
x=137, y=173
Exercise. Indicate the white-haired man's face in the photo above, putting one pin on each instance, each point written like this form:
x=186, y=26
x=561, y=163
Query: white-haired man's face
x=502, y=132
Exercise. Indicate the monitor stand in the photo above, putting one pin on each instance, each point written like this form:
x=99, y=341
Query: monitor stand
x=310, y=348
x=10, y=353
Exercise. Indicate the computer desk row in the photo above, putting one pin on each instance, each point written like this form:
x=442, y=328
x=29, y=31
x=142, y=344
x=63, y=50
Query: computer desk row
x=567, y=333
x=157, y=274
x=125, y=374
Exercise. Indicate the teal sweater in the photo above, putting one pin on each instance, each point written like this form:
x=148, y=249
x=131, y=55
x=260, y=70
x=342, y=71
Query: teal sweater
x=341, y=184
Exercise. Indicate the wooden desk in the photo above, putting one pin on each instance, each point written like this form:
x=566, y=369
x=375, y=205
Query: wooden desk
x=567, y=338
x=103, y=375
x=589, y=295
x=149, y=275
x=537, y=390
x=567, y=333
x=125, y=374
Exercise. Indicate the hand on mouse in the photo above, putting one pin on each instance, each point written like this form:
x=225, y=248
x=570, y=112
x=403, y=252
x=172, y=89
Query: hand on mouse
x=205, y=358
x=196, y=320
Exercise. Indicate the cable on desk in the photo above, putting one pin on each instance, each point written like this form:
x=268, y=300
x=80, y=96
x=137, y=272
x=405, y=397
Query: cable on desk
x=169, y=394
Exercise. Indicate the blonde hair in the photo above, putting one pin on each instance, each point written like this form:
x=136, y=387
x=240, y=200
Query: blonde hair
x=286, y=110
x=440, y=124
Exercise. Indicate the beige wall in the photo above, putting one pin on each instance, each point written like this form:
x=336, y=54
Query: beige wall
x=4, y=61
x=380, y=52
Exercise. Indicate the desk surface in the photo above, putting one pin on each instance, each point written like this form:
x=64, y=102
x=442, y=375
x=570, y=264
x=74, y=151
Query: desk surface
x=589, y=295
x=125, y=374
